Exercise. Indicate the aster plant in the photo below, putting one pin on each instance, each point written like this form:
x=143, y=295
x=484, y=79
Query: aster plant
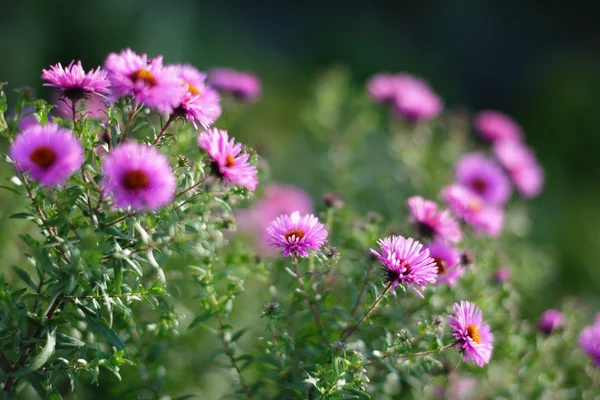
x=135, y=284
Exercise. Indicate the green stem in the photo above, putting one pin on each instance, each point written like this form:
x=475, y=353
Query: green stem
x=347, y=332
x=362, y=290
x=311, y=305
x=163, y=130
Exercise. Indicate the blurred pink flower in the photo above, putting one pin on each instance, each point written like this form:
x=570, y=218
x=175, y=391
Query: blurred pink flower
x=495, y=126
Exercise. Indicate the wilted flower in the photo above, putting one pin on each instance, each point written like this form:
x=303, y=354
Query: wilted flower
x=431, y=222
x=496, y=126
x=74, y=83
x=550, y=320
x=589, y=340
x=243, y=85
x=483, y=177
x=522, y=166
x=405, y=261
x=296, y=234
x=48, y=153
x=473, y=336
x=199, y=103
x=139, y=177
x=228, y=161
x=144, y=79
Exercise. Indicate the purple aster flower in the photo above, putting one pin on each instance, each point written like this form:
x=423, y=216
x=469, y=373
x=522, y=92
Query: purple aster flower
x=447, y=260
x=200, y=103
x=522, y=166
x=228, y=162
x=382, y=87
x=473, y=336
x=144, y=79
x=415, y=100
x=405, y=261
x=483, y=218
x=296, y=234
x=589, y=340
x=495, y=126
x=502, y=274
x=243, y=85
x=48, y=153
x=278, y=199
x=550, y=320
x=483, y=177
x=139, y=177
x=74, y=83
x=431, y=222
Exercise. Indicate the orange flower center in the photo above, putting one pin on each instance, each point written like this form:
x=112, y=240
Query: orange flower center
x=135, y=180
x=230, y=160
x=194, y=91
x=145, y=76
x=298, y=233
x=43, y=156
x=475, y=205
x=473, y=332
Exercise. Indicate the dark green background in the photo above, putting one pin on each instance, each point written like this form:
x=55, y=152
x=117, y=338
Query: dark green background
x=536, y=60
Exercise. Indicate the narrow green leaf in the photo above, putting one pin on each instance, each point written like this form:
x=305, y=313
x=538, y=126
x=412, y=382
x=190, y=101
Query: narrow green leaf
x=21, y=216
x=25, y=277
x=102, y=329
x=239, y=334
x=39, y=360
x=200, y=319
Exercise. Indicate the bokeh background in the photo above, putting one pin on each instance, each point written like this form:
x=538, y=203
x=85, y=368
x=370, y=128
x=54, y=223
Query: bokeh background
x=538, y=61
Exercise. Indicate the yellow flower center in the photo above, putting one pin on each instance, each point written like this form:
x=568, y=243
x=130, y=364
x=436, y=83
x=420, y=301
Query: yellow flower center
x=135, y=179
x=473, y=332
x=43, y=156
x=475, y=205
x=298, y=233
x=145, y=76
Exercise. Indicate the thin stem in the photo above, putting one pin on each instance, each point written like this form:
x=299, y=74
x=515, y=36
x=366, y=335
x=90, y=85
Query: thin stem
x=424, y=353
x=309, y=302
x=329, y=220
x=11, y=380
x=113, y=296
x=347, y=332
x=87, y=193
x=195, y=185
x=6, y=360
x=362, y=290
x=163, y=130
x=32, y=197
x=129, y=120
x=420, y=335
x=594, y=378
x=74, y=111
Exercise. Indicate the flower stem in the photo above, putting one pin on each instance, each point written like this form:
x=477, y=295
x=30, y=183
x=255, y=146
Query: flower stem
x=347, y=332
x=129, y=120
x=309, y=302
x=424, y=353
x=163, y=130
x=362, y=290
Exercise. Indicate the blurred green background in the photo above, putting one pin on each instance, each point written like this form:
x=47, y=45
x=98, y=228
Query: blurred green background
x=539, y=61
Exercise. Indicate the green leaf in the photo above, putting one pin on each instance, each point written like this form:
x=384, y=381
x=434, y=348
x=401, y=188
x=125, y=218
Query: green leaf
x=68, y=341
x=38, y=361
x=239, y=334
x=21, y=216
x=25, y=277
x=200, y=319
x=101, y=328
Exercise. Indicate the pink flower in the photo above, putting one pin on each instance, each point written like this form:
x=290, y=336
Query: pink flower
x=382, y=87
x=405, y=261
x=296, y=234
x=502, y=274
x=228, y=161
x=483, y=177
x=199, y=103
x=74, y=83
x=589, y=340
x=522, y=166
x=550, y=320
x=473, y=336
x=243, y=85
x=483, y=218
x=447, y=261
x=144, y=79
x=496, y=126
x=48, y=153
x=278, y=199
x=415, y=100
x=139, y=177
x=432, y=222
